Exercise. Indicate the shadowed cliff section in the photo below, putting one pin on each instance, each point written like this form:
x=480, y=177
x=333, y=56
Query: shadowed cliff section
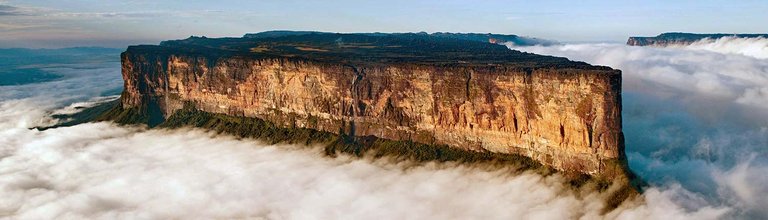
x=682, y=39
x=419, y=96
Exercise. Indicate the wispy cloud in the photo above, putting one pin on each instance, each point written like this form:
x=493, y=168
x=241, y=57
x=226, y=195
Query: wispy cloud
x=12, y=27
x=51, y=26
x=111, y=14
x=7, y=10
x=134, y=14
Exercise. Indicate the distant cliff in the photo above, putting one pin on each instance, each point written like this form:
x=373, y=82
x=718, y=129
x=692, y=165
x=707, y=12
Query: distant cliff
x=479, y=37
x=427, y=89
x=496, y=38
x=681, y=39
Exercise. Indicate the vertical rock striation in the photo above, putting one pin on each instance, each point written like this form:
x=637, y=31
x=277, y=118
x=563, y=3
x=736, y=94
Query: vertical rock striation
x=561, y=113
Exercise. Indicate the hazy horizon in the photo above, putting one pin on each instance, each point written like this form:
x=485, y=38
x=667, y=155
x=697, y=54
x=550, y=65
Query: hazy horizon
x=117, y=24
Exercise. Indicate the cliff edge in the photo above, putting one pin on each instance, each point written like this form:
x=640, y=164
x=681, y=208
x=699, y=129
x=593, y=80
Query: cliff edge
x=423, y=89
x=682, y=39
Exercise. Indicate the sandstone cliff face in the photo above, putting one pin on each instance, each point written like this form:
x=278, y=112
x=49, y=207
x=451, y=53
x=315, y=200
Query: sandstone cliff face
x=568, y=118
x=683, y=39
x=659, y=42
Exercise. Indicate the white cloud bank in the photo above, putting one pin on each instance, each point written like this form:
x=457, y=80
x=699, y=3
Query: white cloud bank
x=693, y=117
x=676, y=72
x=705, y=161
x=109, y=172
x=753, y=47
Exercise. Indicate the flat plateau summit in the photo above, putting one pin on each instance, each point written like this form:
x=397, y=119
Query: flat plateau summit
x=435, y=96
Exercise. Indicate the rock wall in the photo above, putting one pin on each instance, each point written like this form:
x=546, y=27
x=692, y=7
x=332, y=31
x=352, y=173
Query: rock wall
x=683, y=39
x=569, y=119
x=659, y=42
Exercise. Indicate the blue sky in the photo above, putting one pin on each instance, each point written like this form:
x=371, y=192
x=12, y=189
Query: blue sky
x=117, y=23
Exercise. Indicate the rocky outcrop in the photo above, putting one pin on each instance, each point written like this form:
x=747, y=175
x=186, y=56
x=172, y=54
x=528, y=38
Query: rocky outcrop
x=682, y=39
x=472, y=96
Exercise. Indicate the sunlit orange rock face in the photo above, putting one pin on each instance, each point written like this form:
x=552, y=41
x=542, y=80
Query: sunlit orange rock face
x=565, y=117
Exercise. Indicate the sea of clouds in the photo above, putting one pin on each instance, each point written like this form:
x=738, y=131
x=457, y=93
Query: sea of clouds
x=694, y=115
x=753, y=47
x=694, y=121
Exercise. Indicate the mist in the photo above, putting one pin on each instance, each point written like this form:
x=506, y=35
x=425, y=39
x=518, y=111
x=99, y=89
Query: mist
x=693, y=119
x=104, y=171
x=753, y=47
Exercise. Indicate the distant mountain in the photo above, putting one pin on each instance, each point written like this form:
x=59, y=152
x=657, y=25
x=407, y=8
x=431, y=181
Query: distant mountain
x=479, y=37
x=268, y=34
x=667, y=39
